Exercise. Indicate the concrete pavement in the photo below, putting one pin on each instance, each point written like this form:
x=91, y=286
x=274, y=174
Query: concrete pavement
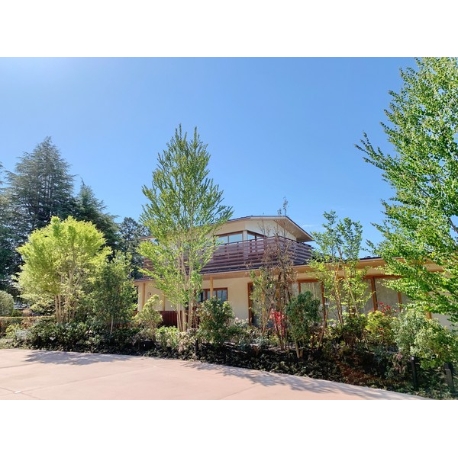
x=52, y=375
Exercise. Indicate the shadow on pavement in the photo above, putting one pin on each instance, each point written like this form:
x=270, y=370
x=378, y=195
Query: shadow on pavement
x=299, y=383
x=80, y=359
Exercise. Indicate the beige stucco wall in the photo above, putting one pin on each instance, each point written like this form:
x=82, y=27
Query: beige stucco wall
x=259, y=226
x=146, y=289
x=237, y=293
x=237, y=286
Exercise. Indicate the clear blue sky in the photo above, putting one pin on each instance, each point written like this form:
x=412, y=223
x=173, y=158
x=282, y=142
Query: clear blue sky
x=275, y=127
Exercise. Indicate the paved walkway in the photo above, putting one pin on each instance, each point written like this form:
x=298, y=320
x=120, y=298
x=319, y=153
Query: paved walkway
x=53, y=375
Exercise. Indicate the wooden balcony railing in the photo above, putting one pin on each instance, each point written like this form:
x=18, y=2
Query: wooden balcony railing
x=249, y=254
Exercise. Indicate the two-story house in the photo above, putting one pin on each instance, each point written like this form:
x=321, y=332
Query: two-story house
x=243, y=242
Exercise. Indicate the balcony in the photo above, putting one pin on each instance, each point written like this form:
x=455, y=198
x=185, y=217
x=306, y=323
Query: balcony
x=249, y=254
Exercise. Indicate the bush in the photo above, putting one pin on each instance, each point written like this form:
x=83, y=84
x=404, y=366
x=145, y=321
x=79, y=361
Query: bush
x=168, y=337
x=46, y=333
x=303, y=315
x=242, y=333
x=215, y=321
x=18, y=335
x=417, y=335
x=5, y=322
x=379, y=329
x=352, y=330
x=149, y=318
x=6, y=304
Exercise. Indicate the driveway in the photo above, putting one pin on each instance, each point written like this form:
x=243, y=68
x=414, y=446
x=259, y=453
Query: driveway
x=53, y=375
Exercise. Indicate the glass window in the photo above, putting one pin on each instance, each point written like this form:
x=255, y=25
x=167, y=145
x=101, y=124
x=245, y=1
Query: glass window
x=313, y=286
x=220, y=293
x=253, y=236
x=231, y=238
x=385, y=295
x=235, y=237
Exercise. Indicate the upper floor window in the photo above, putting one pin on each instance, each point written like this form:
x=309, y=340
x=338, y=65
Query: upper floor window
x=231, y=238
x=253, y=236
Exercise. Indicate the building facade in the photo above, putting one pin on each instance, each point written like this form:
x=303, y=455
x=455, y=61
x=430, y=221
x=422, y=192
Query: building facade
x=243, y=242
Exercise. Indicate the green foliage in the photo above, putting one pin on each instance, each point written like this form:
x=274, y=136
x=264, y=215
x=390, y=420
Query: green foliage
x=263, y=295
x=130, y=233
x=5, y=322
x=408, y=325
x=242, y=333
x=49, y=334
x=303, y=314
x=215, y=321
x=353, y=328
x=6, y=303
x=379, y=329
x=417, y=335
x=168, y=337
x=421, y=218
x=59, y=262
x=79, y=336
x=149, y=318
x=436, y=345
x=273, y=280
x=88, y=208
x=183, y=213
x=113, y=296
x=40, y=187
x=9, y=236
x=335, y=264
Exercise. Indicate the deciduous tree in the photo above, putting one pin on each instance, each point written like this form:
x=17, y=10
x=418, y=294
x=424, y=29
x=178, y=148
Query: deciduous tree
x=335, y=264
x=59, y=262
x=185, y=210
x=421, y=219
x=113, y=297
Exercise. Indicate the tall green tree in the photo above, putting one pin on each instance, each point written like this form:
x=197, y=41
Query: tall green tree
x=60, y=261
x=421, y=224
x=113, y=295
x=88, y=208
x=9, y=258
x=40, y=187
x=130, y=236
x=335, y=264
x=185, y=210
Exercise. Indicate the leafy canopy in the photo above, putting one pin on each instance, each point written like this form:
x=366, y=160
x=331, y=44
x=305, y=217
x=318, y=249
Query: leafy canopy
x=421, y=223
x=183, y=213
x=59, y=262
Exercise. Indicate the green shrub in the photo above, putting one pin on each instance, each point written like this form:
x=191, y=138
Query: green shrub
x=379, y=329
x=417, y=335
x=18, y=334
x=5, y=322
x=215, y=321
x=407, y=326
x=46, y=333
x=168, y=337
x=6, y=303
x=303, y=316
x=148, y=319
x=352, y=330
x=242, y=333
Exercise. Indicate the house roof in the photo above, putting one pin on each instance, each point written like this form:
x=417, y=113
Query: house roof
x=283, y=221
